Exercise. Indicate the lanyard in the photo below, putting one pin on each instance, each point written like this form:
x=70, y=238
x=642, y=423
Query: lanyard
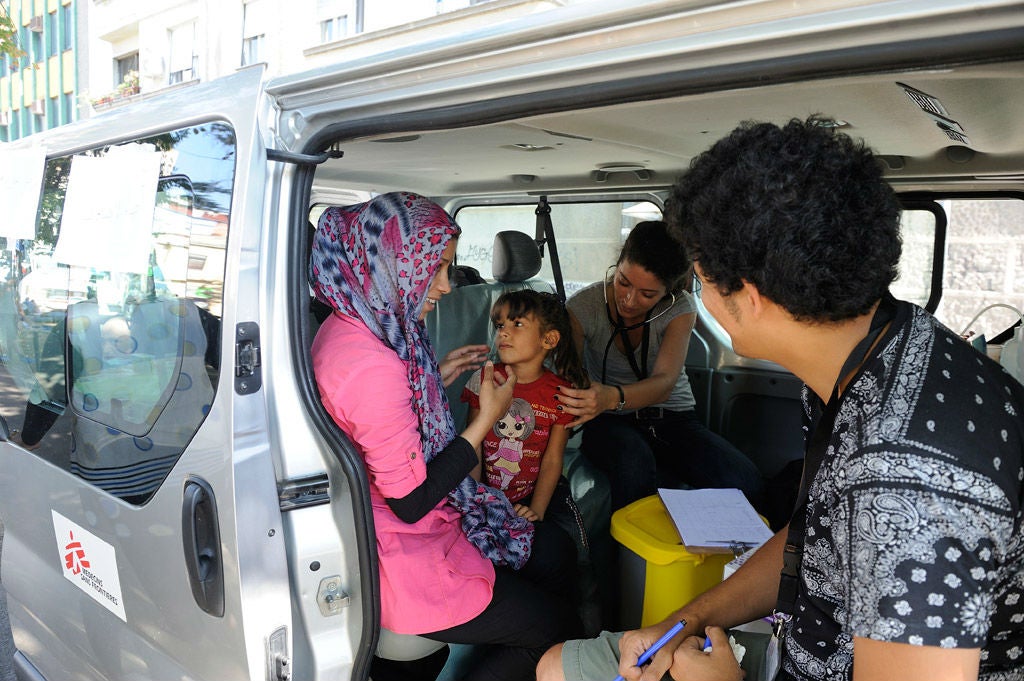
x=640, y=371
x=817, y=447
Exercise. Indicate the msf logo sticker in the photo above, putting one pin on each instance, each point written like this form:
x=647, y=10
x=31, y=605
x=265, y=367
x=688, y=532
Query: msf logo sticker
x=74, y=559
x=89, y=563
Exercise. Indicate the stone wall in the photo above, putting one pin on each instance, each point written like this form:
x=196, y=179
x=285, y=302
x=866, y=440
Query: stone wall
x=984, y=264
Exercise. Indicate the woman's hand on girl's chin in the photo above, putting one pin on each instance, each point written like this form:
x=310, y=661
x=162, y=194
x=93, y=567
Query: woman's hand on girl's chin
x=496, y=392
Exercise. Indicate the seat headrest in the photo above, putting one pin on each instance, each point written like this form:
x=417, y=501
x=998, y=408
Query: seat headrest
x=516, y=257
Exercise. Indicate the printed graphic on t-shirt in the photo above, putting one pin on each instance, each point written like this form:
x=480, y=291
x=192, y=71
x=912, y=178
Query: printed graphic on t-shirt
x=513, y=450
x=504, y=463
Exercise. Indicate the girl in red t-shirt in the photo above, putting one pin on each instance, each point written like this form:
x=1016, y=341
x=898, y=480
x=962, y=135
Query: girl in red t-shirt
x=522, y=456
x=523, y=453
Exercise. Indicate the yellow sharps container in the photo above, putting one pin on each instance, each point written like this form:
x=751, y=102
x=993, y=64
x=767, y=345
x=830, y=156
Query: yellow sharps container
x=658, y=574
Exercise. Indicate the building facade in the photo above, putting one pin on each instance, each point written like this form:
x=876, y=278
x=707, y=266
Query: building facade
x=81, y=57
x=39, y=89
x=164, y=43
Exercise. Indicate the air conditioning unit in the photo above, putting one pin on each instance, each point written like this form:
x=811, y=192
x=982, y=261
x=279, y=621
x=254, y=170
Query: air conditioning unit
x=35, y=24
x=38, y=107
x=5, y=119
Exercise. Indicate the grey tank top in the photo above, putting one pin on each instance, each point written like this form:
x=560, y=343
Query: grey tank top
x=589, y=309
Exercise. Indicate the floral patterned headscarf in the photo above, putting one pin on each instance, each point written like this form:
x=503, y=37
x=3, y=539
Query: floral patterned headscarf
x=375, y=261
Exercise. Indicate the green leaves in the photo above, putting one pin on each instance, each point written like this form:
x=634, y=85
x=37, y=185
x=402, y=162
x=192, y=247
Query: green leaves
x=8, y=36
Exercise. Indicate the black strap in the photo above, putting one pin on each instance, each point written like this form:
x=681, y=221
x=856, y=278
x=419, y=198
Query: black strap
x=817, y=447
x=545, y=234
x=640, y=371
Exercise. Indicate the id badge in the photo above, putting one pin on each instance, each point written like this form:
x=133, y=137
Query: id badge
x=773, y=654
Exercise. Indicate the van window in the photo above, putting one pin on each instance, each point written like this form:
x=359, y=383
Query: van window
x=110, y=316
x=984, y=264
x=981, y=253
x=589, y=236
x=919, y=229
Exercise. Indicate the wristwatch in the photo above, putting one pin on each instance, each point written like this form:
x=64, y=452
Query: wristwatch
x=622, y=399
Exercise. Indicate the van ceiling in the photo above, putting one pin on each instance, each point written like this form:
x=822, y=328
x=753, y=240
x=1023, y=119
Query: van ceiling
x=567, y=151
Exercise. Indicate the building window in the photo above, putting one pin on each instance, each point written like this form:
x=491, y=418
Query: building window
x=339, y=18
x=445, y=6
x=183, y=56
x=37, y=46
x=51, y=34
x=333, y=29
x=126, y=68
x=67, y=111
x=23, y=43
x=252, y=49
x=66, y=26
x=255, y=23
x=196, y=263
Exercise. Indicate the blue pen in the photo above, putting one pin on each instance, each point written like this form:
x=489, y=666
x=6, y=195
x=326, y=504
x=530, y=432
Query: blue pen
x=658, y=645
x=707, y=644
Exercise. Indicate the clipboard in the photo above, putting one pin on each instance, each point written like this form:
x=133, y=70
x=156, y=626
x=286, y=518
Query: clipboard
x=714, y=520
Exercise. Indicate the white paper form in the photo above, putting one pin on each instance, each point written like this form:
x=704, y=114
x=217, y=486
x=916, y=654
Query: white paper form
x=714, y=519
x=21, y=181
x=108, y=213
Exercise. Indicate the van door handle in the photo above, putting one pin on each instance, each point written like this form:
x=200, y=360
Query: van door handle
x=200, y=535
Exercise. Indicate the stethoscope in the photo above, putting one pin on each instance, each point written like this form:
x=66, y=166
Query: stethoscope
x=623, y=330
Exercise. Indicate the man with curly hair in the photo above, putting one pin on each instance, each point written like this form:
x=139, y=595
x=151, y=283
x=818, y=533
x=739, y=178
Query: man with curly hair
x=904, y=558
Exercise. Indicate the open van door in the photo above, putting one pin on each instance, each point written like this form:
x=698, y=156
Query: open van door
x=137, y=489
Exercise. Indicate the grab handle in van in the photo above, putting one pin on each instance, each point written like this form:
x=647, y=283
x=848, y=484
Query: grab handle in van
x=200, y=535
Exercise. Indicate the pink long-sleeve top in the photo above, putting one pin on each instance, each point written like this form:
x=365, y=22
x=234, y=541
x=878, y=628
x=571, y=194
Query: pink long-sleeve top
x=431, y=577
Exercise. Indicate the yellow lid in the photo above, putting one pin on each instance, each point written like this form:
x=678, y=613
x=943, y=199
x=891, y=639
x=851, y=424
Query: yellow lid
x=645, y=528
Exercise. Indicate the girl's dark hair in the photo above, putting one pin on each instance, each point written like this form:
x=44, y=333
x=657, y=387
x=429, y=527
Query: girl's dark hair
x=651, y=246
x=552, y=315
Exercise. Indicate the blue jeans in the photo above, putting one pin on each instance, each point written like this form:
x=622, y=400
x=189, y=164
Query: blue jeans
x=640, y=454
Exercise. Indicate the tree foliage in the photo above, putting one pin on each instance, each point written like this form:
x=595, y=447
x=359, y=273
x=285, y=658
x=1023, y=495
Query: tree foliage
x=8, y=36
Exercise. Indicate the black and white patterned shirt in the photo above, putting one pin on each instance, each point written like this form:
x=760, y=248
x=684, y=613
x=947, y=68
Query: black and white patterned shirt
x=914, y=520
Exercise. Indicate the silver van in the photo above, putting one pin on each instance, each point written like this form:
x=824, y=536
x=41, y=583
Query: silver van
x=177, y=503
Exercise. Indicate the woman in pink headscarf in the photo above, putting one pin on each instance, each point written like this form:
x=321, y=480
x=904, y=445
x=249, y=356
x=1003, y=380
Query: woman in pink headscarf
x=456, y=562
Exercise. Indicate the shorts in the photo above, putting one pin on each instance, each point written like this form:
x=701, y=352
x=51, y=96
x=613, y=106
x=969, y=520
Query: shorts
x=598, y=658
x=591, y=658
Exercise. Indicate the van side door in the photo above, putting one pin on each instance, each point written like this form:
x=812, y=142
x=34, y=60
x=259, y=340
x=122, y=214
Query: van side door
x=142, y=524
